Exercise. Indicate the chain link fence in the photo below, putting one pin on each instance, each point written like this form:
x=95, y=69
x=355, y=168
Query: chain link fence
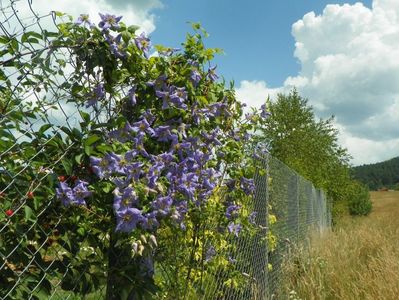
x=34, y=116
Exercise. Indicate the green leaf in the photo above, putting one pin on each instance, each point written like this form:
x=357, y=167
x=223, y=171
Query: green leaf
x=67, y=166
x=85, y=116
x=88, y=149
x=44, y=128
x=29, y=215
x=91, y=140
x=31, y=35
x=78, y=158
x=81, y=231
x=133, y=28
x=59, y=13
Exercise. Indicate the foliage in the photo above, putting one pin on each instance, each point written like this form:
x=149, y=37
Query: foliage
x=359, y=202
x=308, y=145
x=380, y=175
x=151, y=181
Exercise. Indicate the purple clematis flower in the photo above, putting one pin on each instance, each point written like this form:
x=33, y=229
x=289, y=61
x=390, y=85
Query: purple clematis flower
x=234, y=228
x=178, y=97
x=212, y=74
x=150, y=221
x=109, y=21
x=247, y=185
x=252, y=217
x=264, y=113
x=132, y=95
x=232, y=211
x=117, y=47
x=64, y=193
x=162, y=205
x=143, y=126
x=104, y=167
x=143, y=43
x=84, y=20
x=165, y=96
x=80, y=192
x=163, y=134
x=195, y=77
x=124, y=134
x=179, y=213
x=97, y=94
x=128, y=219
x=134, y=170
x=125, y=198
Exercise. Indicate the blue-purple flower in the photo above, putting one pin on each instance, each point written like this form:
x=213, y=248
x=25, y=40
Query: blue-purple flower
x=143, y=43
x=163, y=205
x=84, y=20
x=125, y=198
x=163, y=134
x=124, y=134
x=104, y=167
x=75, y=196
x=232, y=211
x=117, y=47
x=212, y=74
x=109, y=21
x=143, y=126
x=64, y=193
x=96, y=95
x=195, y=77
x=252, y=217
x=128, y=219
x=132, y=95
x=247, y=185
x=172, y=95
x=234, y=228
x=178, y=97
x=80, y=192
x=264, y=113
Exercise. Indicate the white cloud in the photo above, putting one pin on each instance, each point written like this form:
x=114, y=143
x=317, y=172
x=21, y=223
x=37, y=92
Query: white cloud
x=349, y=57
x=366, y=151
x=133, y=12
x=255, y=93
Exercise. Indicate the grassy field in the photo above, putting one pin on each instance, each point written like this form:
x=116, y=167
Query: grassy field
x=358, y=260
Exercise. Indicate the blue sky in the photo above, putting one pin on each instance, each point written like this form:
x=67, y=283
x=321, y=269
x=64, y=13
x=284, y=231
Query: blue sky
x=342, y=55
x=255, y=36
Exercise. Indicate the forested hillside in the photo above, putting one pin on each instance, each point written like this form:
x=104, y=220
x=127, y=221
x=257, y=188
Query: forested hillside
x=383, y=174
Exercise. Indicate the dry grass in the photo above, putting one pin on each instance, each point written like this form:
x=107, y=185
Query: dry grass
x=358, y=260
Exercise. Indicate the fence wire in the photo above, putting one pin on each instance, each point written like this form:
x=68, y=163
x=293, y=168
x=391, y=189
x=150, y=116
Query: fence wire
x=33, y=264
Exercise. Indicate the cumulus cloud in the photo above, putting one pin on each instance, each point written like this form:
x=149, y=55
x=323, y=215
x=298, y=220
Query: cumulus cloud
x=349, y=57
x=255, y=93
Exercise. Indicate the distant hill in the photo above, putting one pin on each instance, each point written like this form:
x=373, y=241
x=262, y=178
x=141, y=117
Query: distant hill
x=383, y=174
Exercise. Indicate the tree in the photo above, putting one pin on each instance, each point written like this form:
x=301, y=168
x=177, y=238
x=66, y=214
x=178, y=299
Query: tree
x=307, y=145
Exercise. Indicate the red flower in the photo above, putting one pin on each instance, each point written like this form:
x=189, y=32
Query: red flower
x=9, y=212
x=30, y=195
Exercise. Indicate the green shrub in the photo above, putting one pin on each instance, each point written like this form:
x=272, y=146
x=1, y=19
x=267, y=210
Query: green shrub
x=359, y=201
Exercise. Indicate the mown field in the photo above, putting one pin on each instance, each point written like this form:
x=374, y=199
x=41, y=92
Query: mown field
x=358, y=260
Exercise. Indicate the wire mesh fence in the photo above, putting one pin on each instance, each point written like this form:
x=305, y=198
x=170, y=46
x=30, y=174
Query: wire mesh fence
x=37, y=258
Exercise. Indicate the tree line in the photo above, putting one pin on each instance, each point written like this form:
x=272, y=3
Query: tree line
x=379, y=175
